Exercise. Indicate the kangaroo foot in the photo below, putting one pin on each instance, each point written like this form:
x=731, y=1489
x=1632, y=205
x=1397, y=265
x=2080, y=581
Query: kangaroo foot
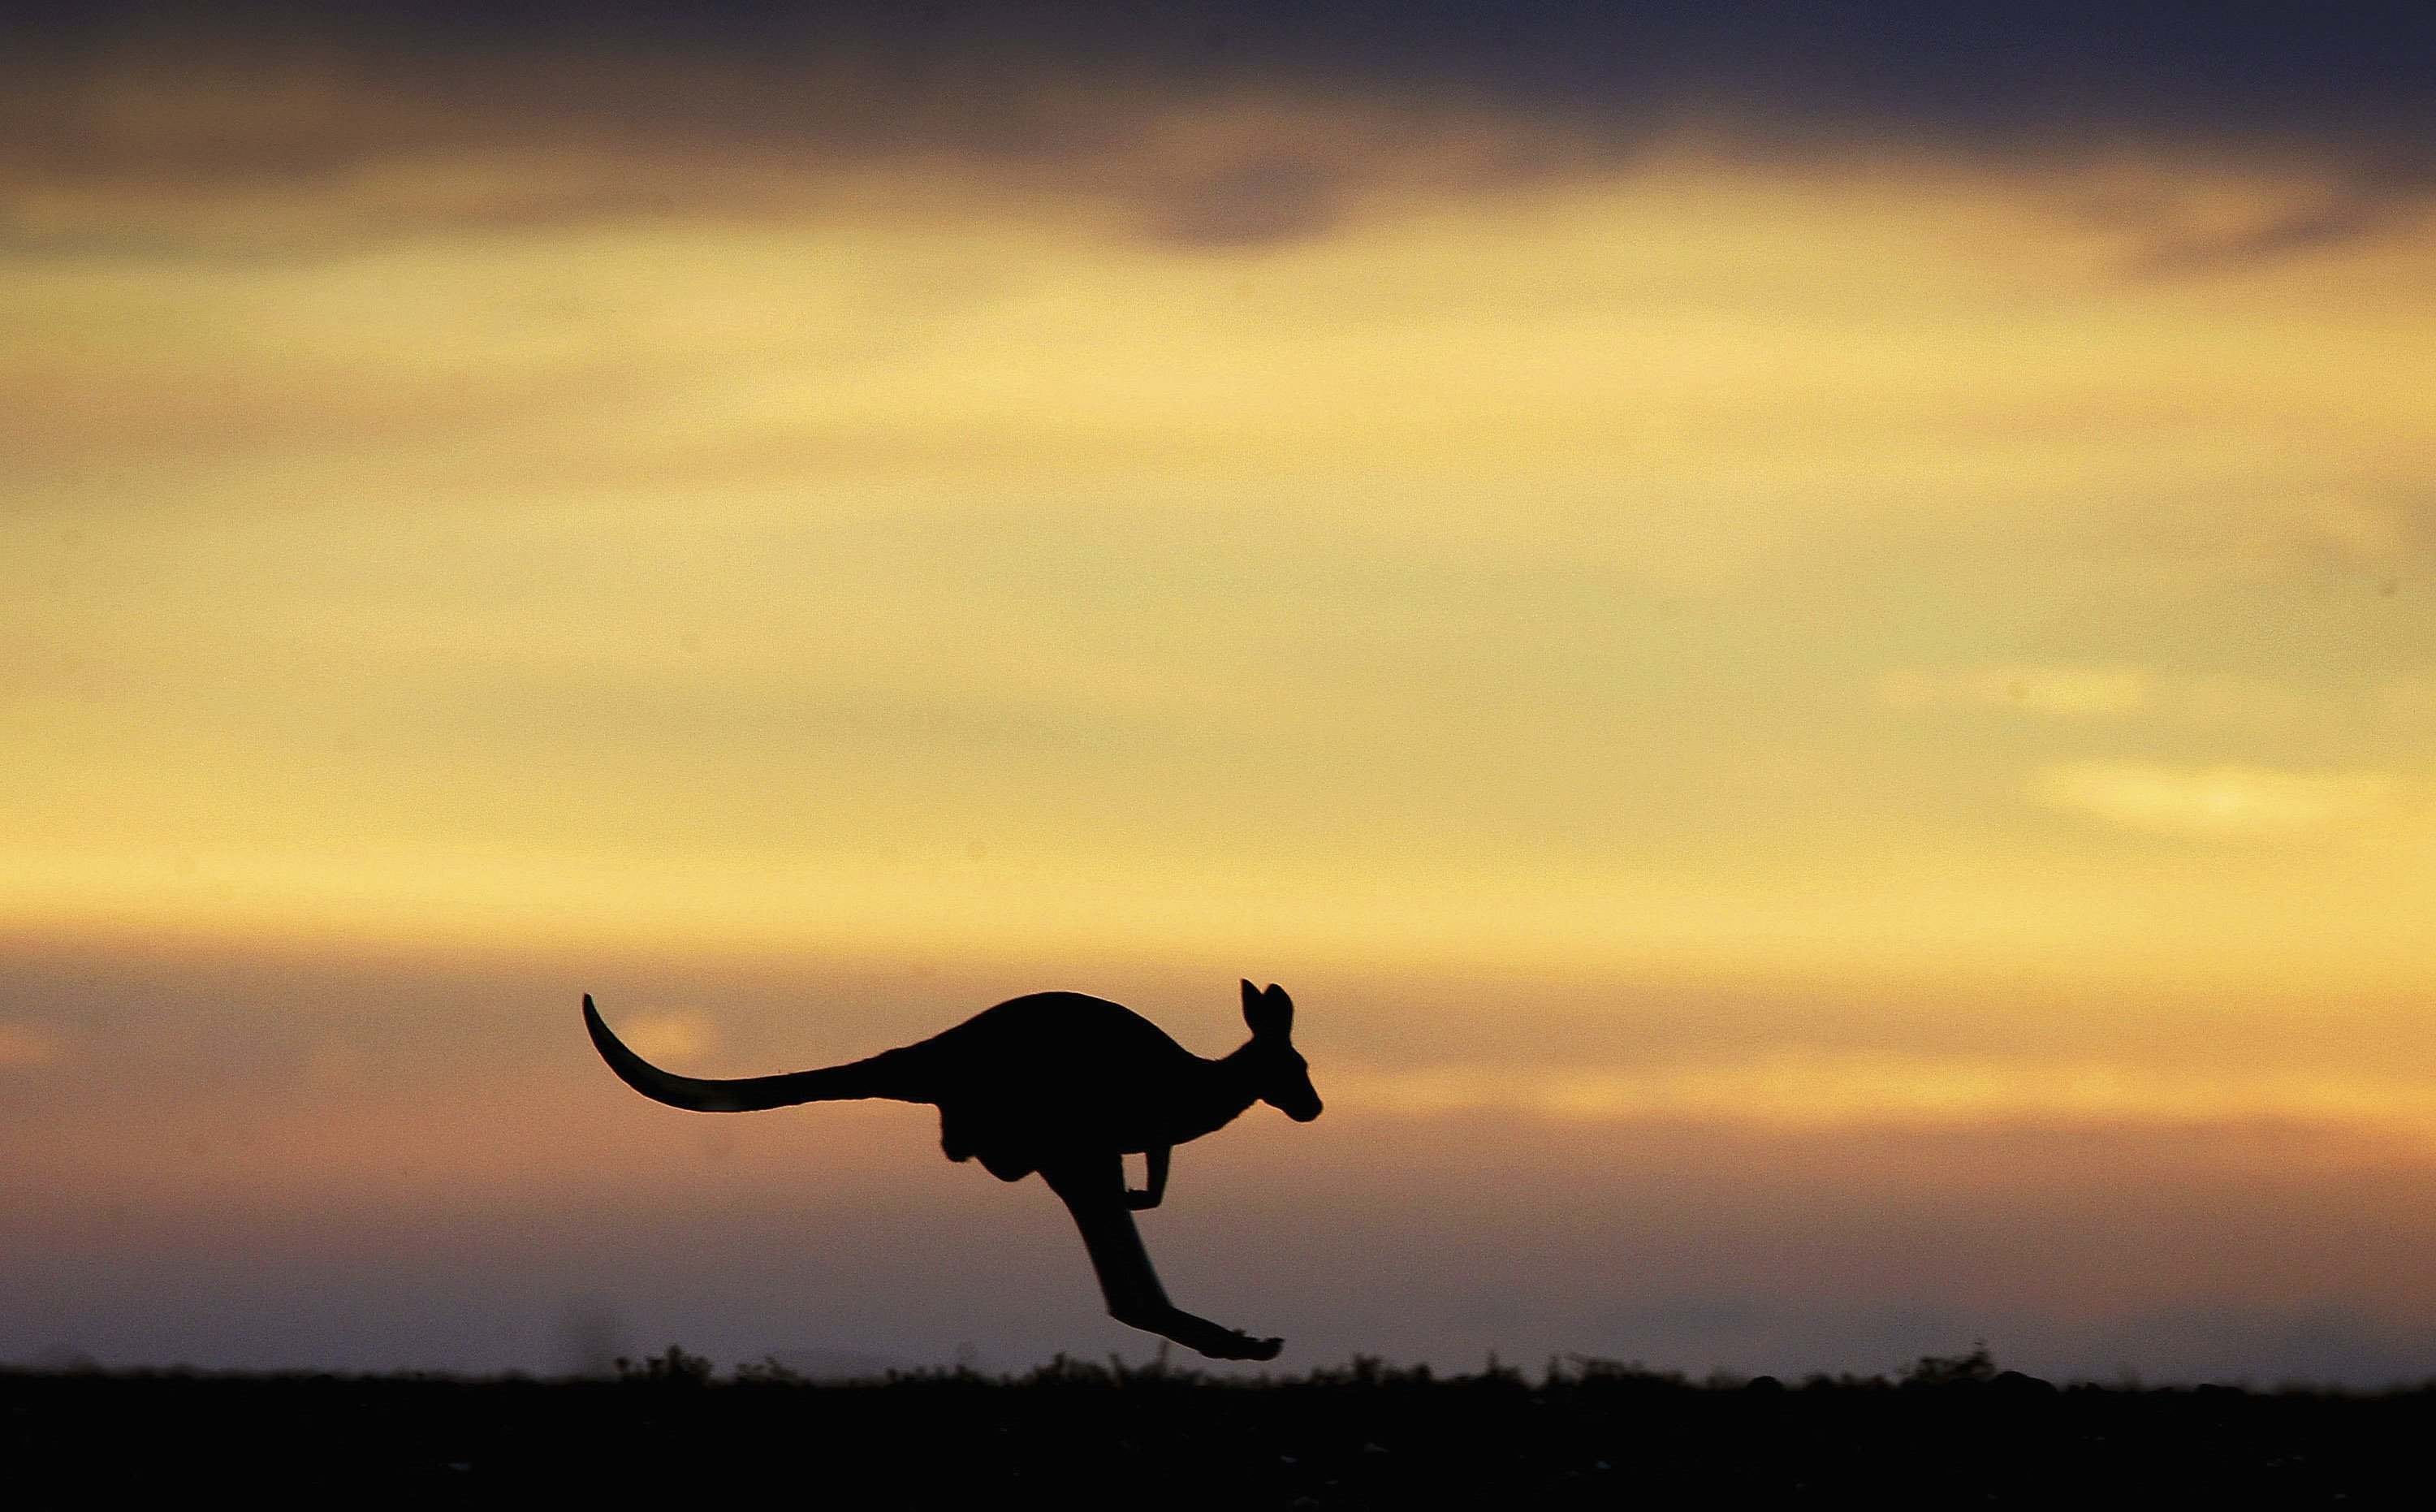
x=1204, y=1337
x=1241, y=1345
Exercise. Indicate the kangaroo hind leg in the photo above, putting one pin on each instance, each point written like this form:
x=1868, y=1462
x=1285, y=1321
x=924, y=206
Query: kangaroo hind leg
x=1093, y=1189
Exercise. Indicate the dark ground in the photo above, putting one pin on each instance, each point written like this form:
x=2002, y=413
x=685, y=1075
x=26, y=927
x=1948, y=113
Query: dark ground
x=1953, y=1433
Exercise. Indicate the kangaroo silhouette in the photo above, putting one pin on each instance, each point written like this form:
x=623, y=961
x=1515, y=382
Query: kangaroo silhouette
x=1064, y=1085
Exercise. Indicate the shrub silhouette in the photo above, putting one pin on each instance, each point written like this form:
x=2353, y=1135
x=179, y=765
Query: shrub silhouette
x=674, y=1368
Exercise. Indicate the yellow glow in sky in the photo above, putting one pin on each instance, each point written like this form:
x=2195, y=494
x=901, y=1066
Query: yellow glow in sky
x=1824, y=728
x=1836, y=571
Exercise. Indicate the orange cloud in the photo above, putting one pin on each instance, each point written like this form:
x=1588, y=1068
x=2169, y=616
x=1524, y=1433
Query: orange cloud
x=2219, y=803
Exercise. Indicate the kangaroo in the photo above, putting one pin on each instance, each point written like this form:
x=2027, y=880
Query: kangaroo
x=1063, y=1084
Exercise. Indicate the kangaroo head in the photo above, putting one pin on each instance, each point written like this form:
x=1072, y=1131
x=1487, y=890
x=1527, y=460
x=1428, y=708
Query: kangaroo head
x=1281, y=1075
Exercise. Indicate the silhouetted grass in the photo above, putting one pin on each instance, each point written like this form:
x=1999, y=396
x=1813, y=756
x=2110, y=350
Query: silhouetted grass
x=1584, y=1432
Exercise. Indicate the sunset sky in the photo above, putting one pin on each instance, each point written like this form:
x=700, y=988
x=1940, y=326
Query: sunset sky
x=1809, y=640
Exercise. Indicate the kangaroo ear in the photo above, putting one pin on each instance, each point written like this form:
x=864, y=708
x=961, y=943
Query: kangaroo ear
x=1268, y=1013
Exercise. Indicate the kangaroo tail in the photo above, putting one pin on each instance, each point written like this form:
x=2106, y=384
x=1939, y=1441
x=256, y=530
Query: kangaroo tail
x=882, y=1075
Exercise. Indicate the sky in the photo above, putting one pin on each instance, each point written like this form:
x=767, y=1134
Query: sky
x=1804, y=636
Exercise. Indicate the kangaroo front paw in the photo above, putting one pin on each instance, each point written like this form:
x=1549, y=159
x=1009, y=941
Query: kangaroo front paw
x=1140, y=1201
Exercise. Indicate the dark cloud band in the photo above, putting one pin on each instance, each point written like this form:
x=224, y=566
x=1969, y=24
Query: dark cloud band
x=1195, y=124
x=2356, y=72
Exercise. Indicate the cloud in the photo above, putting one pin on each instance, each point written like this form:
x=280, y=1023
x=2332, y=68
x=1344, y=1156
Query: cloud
x=2225, y=701
x=2235, y=802
x=2040, y=70
x=2352, y=215
x=2342, y=530
x=1251, y=203
x=1818, y=1089
x=242, y=140
x=2201, y=220
x=228, y=151
x=2060, y=691
x=2110, y=691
